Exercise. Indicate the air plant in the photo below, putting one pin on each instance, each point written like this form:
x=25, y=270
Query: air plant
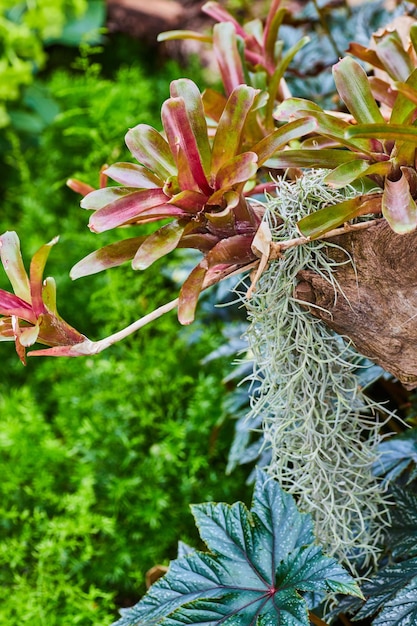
x=320, y=429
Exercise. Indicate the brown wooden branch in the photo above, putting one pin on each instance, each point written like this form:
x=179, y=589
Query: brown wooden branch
x=376, y=306
x=144, y=19
x=316, y=620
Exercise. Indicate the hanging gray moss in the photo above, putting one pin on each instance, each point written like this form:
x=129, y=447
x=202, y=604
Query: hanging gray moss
x=321, y=429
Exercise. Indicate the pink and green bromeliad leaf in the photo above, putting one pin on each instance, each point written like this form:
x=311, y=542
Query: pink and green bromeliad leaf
x=196, y=182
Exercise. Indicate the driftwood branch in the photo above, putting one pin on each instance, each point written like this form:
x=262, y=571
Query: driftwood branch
x=144, y=19
x=378, y=310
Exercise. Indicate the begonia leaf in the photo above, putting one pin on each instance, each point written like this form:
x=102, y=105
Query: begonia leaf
x=397, y=454
x=259, y=563
x=354, y=89
x=392, y=594
x=157, y=245
x=320, y=222
x=12, y=261
x=398, y=206
x=403, y=530
x=109, y=256
x=151, y=150
x=229, y=130
x=133, y=175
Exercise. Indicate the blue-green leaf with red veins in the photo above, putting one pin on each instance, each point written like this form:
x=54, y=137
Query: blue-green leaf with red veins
x=259, y=563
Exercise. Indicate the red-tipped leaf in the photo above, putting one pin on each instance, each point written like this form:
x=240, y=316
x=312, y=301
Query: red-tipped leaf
x=184, y=145
x=126, y=209
x=398, y=206
x=186, y=89
x=152, y=150
x=354, y=89
x=37, y=267
x=229, y=131
x=109, y=256
x=157, y=245
x=237, y=170
x=133, y=175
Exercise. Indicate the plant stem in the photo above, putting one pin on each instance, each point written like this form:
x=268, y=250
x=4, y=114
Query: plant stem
x=316, y=620
x=102, y=344
x=278, y=248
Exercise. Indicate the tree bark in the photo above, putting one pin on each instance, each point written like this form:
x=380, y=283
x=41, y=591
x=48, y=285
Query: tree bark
x=377, y=303
x=144, y=19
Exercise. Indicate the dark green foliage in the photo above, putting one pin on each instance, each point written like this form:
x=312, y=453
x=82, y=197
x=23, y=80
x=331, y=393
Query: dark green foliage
x=398, y=457
x=391, y=594
x=259, y=564
x=403, y=531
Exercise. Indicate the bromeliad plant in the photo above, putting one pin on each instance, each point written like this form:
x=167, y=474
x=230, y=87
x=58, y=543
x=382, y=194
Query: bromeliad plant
x=195, y=182
x=198, y=184
x=251, y=54
x=373, y=144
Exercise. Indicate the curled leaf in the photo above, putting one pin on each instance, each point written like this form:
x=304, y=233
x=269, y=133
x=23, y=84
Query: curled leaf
x=398, y=206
